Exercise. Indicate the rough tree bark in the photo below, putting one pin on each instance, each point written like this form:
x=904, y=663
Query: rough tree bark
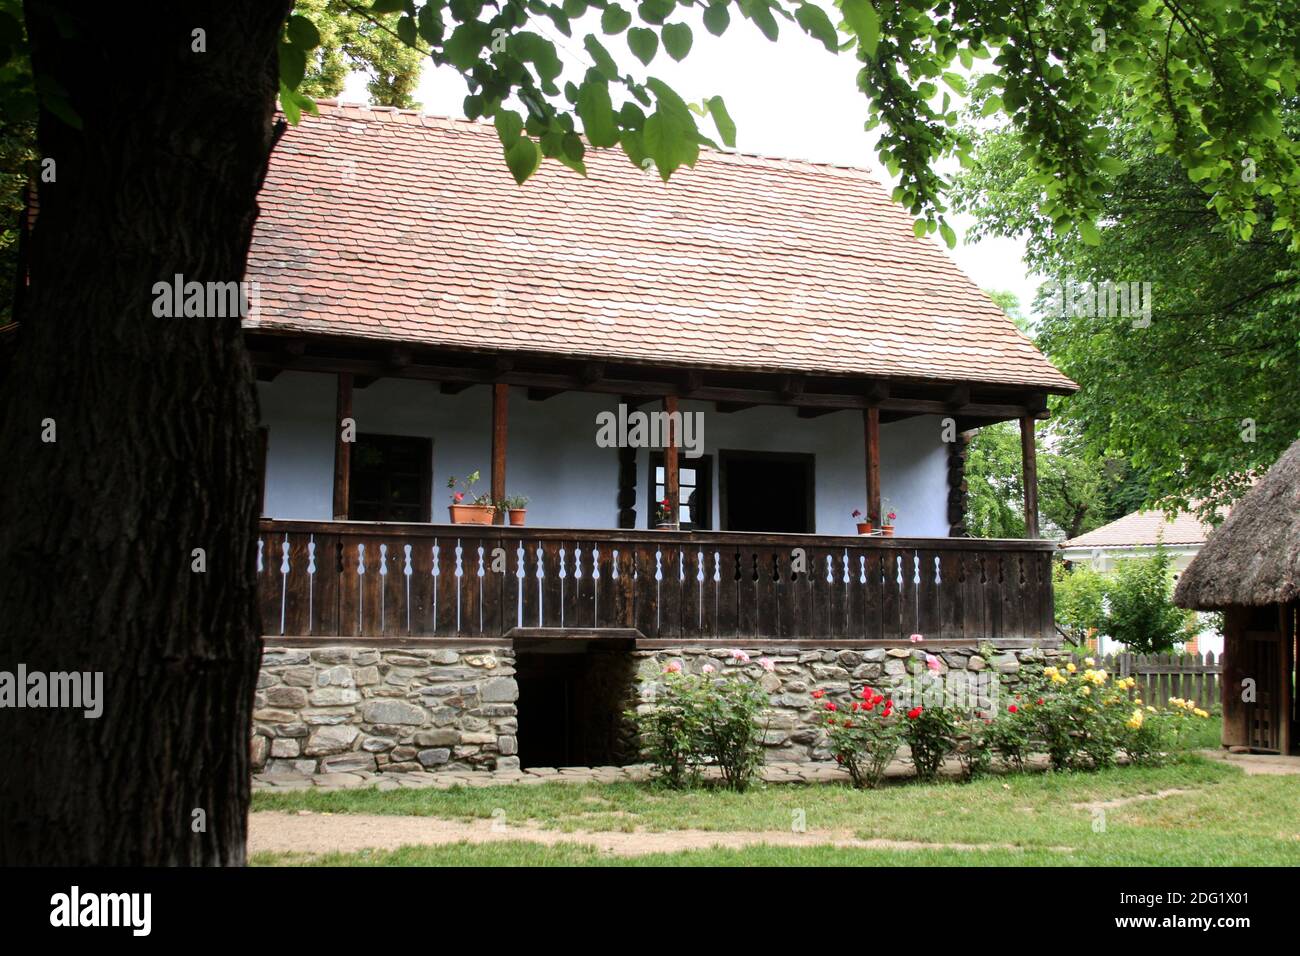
x=155, y=424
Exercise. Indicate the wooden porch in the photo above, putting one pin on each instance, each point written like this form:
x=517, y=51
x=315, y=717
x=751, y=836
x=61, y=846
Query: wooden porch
x=358, y=580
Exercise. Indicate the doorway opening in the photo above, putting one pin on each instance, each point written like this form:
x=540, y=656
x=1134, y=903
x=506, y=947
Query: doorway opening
x=572, y=698
x=766, y=491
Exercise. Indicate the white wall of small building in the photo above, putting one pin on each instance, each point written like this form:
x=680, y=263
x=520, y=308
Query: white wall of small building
x=553, y=457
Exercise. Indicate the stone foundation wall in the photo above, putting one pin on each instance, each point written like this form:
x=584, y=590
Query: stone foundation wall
x=981, y=680
x=350, y=708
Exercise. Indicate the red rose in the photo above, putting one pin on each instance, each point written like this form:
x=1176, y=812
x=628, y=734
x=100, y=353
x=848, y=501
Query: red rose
x=1040, y=701
x=914, y=713
x=830, y=705
x=1013, y=709
x=886, y=713
x=818, y=694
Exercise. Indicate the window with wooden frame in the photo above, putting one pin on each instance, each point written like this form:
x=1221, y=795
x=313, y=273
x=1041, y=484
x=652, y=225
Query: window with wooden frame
x=391, y=478
x=695, y=484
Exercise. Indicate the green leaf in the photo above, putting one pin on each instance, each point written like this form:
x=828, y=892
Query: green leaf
x=614, y=20
x=716, y=19
x=677, y=40
x=817, y=25
x=522, y=158
x=574, y=8
x=918, y=228
x=670, y=134
x=1088, y=232
x=302, y=32
x=949, y=236
x=293, y=65
x=407, y=32
x=466, y=42
x=643, y=43
x=605, y=64
x=991, y=105
x=510, y=126
x=655, y=11
x=597, y=114
x=537, y=50
x=430, y=24
x=388, y=6
x=863, y=20
x=722, y=120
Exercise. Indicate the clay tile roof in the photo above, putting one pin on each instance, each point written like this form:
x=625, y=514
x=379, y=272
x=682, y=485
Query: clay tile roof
x=1144, y=528
x=396, y=225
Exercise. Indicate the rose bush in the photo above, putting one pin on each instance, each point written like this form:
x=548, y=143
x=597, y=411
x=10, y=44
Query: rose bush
x=863, y=737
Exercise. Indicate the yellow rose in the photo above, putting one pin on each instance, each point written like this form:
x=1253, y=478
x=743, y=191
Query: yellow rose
x=1089, y=661
x=1085, y=691
x=1070, y=667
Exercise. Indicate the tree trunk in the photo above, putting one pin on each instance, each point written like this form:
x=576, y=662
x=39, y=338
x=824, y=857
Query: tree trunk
x=154, y=454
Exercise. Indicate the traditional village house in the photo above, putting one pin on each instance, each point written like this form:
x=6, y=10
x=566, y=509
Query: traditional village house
x=421, y=318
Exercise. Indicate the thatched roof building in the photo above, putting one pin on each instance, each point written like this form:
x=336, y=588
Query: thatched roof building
x=1253, y=560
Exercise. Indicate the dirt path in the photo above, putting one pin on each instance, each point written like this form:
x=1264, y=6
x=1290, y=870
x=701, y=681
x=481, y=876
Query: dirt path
x=317, y=833
x=1125, y=801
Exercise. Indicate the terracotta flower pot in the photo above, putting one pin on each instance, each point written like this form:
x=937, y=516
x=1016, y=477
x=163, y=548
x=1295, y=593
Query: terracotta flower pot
x=888, y=530
x=864, y=527
x=471, y=514
x=517, y=516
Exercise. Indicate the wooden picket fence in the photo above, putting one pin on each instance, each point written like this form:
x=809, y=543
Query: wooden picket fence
x=1161, y=676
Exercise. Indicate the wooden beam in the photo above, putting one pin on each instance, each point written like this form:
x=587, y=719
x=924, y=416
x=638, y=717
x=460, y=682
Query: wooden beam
x=692, y=382
x=591, y=373
x=958, y=397
x=728, y=408
x=500, y=418
x=1029, y=460
x=342, y=449
x=672, y=485
x=791, y=387
x=876, y=392
x=816, y=412
x=871, y=429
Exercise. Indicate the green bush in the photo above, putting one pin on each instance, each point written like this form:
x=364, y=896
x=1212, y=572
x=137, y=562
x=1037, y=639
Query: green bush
x=701, y=718
x=1142, y=615
x=931, y=734
x=1079, y=594
x=864, y=737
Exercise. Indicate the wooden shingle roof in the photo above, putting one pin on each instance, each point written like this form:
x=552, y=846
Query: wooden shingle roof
x=394, y=225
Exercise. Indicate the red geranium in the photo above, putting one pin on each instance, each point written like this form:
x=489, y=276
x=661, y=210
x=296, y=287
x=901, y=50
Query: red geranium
x=458, y=497
x=914, y=713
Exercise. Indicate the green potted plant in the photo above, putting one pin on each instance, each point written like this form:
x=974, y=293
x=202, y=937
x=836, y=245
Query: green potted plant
x=864, y=522
x=478, y=510
x=664, y=515
x=887, y=523
x=516, y=506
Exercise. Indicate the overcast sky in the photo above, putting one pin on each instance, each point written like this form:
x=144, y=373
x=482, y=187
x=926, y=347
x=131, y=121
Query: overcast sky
x=790, y=99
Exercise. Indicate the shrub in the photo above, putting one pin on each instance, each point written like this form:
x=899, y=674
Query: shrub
x=1010, y=735
x=1142, y=615
x=1150, y=735
x=729, y=712
x=864, y=738
x=1078, y=595
x=974, y=746
x=672, y=730
x=931, y=734
x=1079, y=715
x=701, y=718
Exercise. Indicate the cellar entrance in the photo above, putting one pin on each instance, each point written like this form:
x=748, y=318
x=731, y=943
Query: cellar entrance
x=572, y=698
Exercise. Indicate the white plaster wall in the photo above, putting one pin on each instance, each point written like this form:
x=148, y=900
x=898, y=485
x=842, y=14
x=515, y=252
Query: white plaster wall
x=553, y=457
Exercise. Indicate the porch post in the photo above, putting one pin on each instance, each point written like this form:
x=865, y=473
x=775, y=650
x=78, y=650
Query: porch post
x=342, y=449
x=672, y=486
x=1029, y=457
x=871, y=422
x=500, y=408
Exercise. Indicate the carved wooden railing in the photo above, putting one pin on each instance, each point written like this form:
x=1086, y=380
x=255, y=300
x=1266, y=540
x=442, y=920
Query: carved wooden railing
x=358, y=579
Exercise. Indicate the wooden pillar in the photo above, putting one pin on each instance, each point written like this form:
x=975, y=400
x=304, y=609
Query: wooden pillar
x=1029, y=458
x=672, y=484
x=871, y=424
x=342, y=449
x=500, y=416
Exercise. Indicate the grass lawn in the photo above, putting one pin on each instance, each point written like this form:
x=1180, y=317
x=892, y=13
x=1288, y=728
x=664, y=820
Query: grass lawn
x=1223, y=818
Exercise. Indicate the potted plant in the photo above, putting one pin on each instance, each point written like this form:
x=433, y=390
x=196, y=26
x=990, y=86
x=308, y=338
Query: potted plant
x=664, y=515
x=864, y=526
x=887, y=524
x=479, y=510
x=516, y=506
